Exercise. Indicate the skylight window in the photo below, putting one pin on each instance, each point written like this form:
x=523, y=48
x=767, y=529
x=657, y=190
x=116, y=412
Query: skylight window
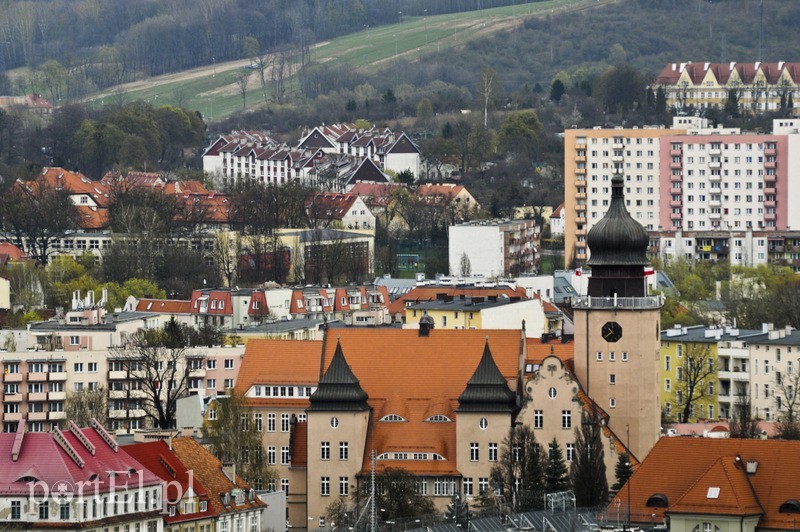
x=713, y=493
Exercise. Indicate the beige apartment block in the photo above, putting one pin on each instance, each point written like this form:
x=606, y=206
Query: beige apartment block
x=590, y=159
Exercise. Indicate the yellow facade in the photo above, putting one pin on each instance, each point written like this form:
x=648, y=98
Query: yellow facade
x=446, y=319
x=674, y=361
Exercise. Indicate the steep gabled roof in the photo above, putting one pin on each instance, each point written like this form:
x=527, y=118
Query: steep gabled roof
x=722, y=490
x=338, y=388
x=367, y=171
x=403, y=144
x=487, y=390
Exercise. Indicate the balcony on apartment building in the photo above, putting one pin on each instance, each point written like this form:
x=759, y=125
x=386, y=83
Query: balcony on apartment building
x=580, y=220
x=770, y=191
x=12, y=398
x=714, y=203
x=770, y=164
x=56, y=416
x=57, y=376
x=580, y=158
x=39, y=376
x=715, y=165
x=770, y=216
x=676, y=152
x=715, y=151
x=580, y=171
x=715, y=178
x=675, y=177
x=618, y=145
x=12, y=377
x=12, y=416
x=581, y=146
x=580, y=195
x=675, y=203
x=37, y=416
x=769, y=203
x=675, y=165
x=770, y=151
x=675, y=216
x=580, y=207
x=56, y=396
x=770, y=178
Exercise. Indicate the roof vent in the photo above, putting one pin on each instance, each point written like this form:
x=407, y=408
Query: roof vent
x=426, y=323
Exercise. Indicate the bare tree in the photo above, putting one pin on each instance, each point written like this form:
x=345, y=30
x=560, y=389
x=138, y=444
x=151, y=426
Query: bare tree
x=698, y=368
x=157, y=359
x=788, y=405
x=465, y=267
x=242, y=80
x=742, y=423
x=489, y=89
x=82, y=406
x=227, y=253
x=235, y=436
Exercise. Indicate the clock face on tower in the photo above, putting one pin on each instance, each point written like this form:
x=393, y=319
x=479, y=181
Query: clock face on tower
x=611, y=331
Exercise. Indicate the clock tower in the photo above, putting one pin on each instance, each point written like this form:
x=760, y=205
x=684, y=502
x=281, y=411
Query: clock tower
x=617, y=328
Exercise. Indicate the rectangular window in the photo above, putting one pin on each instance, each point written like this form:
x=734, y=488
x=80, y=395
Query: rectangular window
x=612, y=379
x=270, y=422
x=44, y=511
x=74, y=340
x=325, y=450
x=228, y=363
x=259, y=420
x=284, y=422
x=538, y=419
x=570, y=452
x=271, y=455
x=64, y=511
x=666, y=363
x=344, y=450
x=566, y=419
x=78, y=367
x=325, y=486
x=493, y=452
x=468, y=487
x=16, y=510
x=474, y=452
x=284, y=455
x=483, y=485
x=344, y=486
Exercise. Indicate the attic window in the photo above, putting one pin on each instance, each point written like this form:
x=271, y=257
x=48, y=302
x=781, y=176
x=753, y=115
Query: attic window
x=658, y=500
x=713, y=493
x=392, y=418
x=792, y=506
x=438, y=418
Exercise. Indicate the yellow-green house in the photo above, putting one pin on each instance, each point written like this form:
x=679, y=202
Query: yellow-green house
x=689, y=362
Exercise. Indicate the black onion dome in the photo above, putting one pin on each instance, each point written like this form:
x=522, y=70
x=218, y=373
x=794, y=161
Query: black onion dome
x=618, y=239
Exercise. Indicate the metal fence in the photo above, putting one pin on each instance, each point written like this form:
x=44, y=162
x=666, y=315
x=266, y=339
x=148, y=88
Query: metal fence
x=627, y=303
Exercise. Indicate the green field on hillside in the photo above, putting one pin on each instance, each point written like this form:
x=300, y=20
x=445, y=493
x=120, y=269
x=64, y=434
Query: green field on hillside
x=212, y=90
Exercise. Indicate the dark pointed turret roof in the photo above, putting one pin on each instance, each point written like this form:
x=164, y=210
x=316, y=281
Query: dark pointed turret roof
x=339, y=389
x=487, y=389
x=618, y=239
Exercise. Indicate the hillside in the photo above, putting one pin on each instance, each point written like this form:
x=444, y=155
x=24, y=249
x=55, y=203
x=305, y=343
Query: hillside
x=215, y=92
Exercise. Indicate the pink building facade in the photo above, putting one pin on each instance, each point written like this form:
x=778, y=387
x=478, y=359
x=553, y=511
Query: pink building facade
x=726, y=182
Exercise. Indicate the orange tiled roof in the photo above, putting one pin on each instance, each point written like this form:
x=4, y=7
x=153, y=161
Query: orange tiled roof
x=430, y=293
x=76, y=183
x=164, y=306
x=92, y=217
x=538, y=350
x=434, y=371
x=13, y=252
x=683, y=469
x=208, y=471
x=448, y=191
x=331, y=204
x=185, y=187
x=284, y=361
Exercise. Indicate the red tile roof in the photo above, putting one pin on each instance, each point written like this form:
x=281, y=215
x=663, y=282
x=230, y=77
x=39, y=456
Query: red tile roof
x=208, y=471
x=683, y=469
x=160, y=460
x=538, y=350
x=434, y=371
x=279, y=361
x=375, y=194
x=722, y=72
x=430, y=293
x=13, y=252
x=330, y=205
x=164, y=306
x=76, y=183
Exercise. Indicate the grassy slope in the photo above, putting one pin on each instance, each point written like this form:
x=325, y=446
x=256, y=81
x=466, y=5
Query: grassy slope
x=212, y=89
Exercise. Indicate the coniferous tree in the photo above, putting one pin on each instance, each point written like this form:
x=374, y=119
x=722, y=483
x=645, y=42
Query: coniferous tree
x=519, y=472
x=555, y=472
x=588, y=471
x=622, y=472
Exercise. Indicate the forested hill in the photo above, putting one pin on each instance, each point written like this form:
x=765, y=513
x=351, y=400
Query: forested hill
x=117, y=40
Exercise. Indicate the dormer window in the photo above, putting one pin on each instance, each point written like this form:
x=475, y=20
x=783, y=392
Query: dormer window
x=658, y=500
x=392, y=418
x=792, y=506
x=438, y=418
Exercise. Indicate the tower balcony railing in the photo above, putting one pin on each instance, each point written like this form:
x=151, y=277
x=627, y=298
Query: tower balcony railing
x=628, y=303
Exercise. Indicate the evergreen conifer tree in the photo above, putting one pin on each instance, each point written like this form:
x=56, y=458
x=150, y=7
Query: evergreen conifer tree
x=588, y=471
x=555, y=472
x=622, y=472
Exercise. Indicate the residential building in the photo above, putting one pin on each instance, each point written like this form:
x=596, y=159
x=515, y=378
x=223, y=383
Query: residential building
x=494, y=248
x=481, y=313
x=717, y=391
x=774, y=380
x=728, y=182
x=231, y=500
x=702, y=484
x=557, y=221
x=36, y=383
x=454, y=197
x=759, y=86
x=338, y=149
x=186, y=499
x=345, y=211
x=425, y=292
x=590, y=159
x=76, y=478
x=31, y=102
